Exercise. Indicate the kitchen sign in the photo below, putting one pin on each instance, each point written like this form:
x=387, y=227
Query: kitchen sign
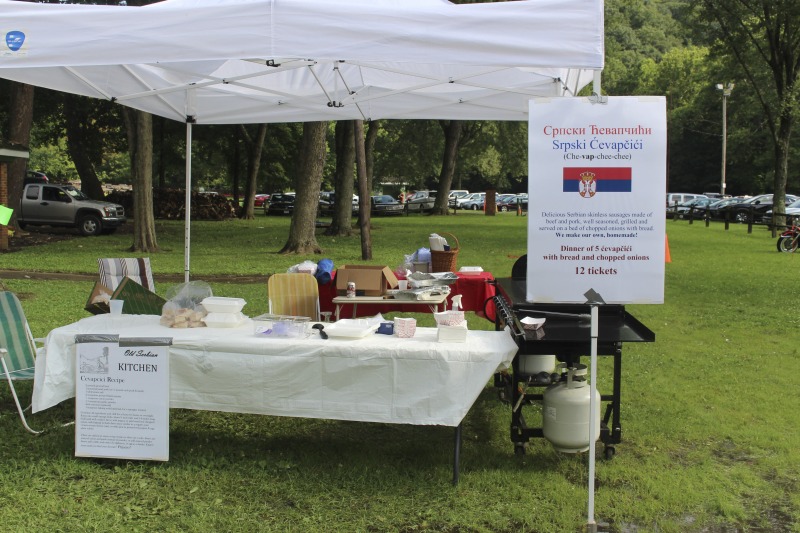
x=596, y=219
x=122, y=397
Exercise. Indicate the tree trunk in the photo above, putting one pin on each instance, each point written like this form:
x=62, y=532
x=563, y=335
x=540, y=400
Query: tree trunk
x=342, y=217
x=302, y=239
x=369, y=148
x=452, y=135
x=364, y=189
x=255, y=147
x=75, y=115
x=139, y=126
x=20, y=121
x=781, y=143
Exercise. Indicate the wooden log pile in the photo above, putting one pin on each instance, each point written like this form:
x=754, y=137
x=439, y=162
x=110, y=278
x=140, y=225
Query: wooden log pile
x=171, y=204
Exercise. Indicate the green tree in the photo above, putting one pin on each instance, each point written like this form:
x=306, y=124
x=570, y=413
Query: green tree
x=682, y=74
x=763, y=37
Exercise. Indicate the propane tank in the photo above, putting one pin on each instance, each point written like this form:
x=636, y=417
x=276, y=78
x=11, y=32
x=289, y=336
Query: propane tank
x=565, y=421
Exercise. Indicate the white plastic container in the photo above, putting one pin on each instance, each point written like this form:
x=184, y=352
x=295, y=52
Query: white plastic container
x=224, y=320
x=221, y=304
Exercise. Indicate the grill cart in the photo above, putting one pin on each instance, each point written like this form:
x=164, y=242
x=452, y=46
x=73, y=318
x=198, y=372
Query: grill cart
x=566, y=334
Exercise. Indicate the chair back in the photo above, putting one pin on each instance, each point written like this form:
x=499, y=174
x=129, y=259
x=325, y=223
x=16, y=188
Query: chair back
x=114, y=270
x=16, y=338
x=294, y=295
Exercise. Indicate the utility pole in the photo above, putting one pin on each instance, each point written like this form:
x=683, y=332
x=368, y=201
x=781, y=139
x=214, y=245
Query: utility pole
x=726, y=92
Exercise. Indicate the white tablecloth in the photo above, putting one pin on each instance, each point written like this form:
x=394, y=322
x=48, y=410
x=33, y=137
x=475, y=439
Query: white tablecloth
x=378, y=378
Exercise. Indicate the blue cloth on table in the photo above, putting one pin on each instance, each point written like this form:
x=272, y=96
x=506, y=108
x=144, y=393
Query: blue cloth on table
x=324, y=272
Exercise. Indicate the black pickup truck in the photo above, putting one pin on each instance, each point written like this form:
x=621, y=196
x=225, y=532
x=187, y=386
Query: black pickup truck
x=47, y=204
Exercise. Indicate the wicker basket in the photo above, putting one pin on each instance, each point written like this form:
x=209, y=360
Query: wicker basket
x=445, y=261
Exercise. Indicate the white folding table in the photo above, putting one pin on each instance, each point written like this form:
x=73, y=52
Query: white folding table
x=378, y=378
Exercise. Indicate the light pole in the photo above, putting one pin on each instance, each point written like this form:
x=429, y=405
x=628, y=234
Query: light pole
x=726, y=92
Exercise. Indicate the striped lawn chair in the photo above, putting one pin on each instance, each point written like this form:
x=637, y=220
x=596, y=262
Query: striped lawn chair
x=17, y=349
x=113, y=271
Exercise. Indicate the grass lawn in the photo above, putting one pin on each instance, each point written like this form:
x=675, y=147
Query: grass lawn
x=710, y=426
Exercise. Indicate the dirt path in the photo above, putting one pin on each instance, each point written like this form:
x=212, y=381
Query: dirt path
x=164, y=278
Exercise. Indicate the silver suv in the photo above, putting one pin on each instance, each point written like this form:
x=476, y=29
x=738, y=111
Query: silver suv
x=421, y=201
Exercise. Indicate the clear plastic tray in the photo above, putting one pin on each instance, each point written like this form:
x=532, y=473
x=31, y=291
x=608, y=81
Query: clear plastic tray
x=268, y=325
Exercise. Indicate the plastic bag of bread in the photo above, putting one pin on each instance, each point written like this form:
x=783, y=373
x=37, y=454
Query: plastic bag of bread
x=183, y=308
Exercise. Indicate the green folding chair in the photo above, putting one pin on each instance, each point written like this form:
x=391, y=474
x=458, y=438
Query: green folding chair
x=17, y=350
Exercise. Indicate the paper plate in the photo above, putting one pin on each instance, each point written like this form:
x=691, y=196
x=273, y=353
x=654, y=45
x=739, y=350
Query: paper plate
x=532, y=323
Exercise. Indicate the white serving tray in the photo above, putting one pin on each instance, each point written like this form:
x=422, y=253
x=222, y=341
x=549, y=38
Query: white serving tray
x=351, y=328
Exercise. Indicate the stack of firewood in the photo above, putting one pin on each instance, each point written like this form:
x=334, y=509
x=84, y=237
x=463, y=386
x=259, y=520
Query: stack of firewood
x=171, y=204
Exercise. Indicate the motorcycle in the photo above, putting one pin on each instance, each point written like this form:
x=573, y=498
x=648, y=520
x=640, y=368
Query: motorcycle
x=788, y=240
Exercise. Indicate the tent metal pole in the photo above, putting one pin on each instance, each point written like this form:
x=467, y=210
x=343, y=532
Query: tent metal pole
x=597, y=84
x=593, y=409
x=597, y=89
x=188, y=202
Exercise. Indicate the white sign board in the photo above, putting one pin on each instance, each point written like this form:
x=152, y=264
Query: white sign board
x=596, y=219
x=122, y=398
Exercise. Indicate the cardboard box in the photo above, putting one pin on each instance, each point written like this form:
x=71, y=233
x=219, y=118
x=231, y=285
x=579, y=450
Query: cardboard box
x=370, y=280
x=97, y=303
x=138, y=300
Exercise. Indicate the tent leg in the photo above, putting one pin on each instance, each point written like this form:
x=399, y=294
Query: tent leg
x=457, y=453
x=188, y=202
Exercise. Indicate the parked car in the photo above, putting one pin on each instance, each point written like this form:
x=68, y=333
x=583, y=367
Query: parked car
x=261, y=199
x=281, y=203
x=385, y=205
x=695, y=208
x=32, y=176
x=46, y=204
x=421, y=201
x=756, y=205
x=674, y=198
x=506, y=202
x=455, y=195
x=469, y=197
x=327, y=201
x=475, y=203
x=792, y=213
x=718, y=209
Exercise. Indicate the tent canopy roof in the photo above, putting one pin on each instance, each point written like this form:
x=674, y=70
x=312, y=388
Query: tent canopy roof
x=242, y=61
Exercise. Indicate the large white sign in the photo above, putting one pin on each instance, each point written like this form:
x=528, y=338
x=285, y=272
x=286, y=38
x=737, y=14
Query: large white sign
x=122, y=398
x=596, y=220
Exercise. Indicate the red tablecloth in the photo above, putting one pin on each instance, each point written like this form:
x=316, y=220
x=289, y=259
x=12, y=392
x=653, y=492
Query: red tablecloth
x=472, y=287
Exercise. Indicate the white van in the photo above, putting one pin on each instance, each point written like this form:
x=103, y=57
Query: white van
x=455, y=195
x=674, y=198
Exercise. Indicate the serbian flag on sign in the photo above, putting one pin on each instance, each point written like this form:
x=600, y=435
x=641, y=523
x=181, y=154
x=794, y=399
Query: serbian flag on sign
x=587, y=181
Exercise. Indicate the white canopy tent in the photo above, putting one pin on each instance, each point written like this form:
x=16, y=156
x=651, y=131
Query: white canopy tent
x=260, y=61
x=255, y=61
